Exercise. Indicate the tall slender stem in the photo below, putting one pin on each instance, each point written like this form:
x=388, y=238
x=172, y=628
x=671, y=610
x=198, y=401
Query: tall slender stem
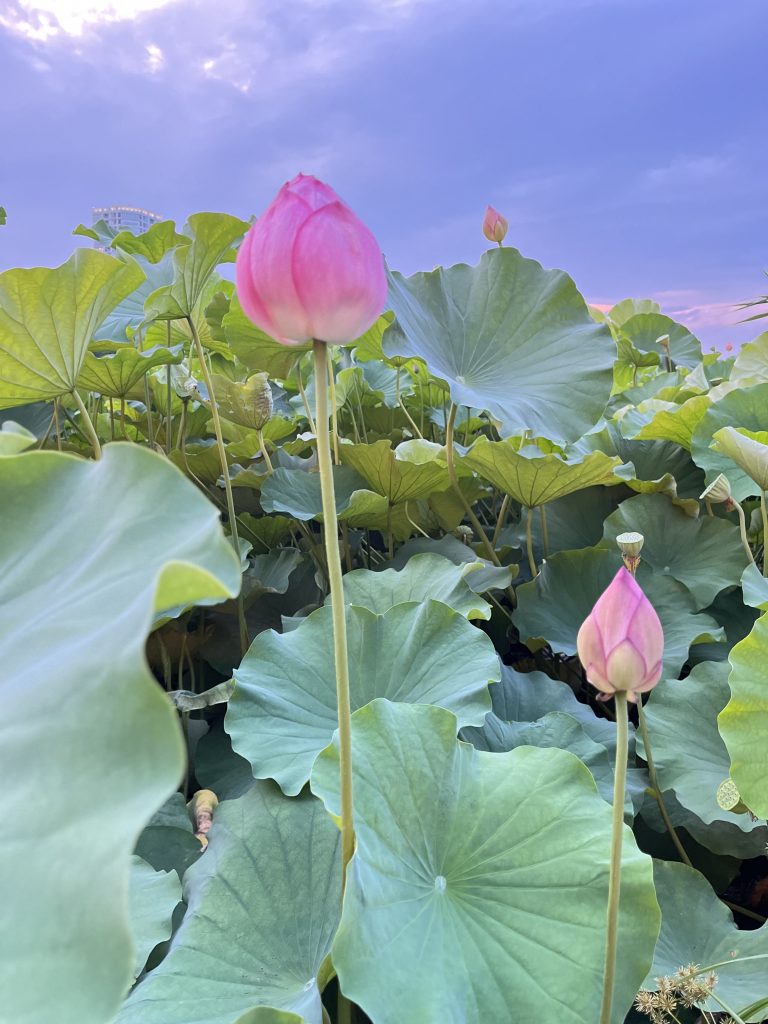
x=501, y=520
x=489, y=550
x=304, y=398
x=529, y=542
x=400, y=402
x=334, y=412
x=743, y=533
x=244, y=641
x=168, y=394
x=544, y=531
x=264, y=452
x=614, y=880
x=93, y=437
x=641, y=720
x=764, y=514
x=333, y=558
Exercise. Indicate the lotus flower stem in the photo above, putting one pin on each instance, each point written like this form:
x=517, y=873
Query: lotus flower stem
x=168, y=393
x=304, y=398
x=181, y=436
x=93, y=437
x=614, y=880
x=334, y=412
x=148, y=404
x=529, y=542
x=764, y=514
x=333, y=558
x=544, y=531
x=400, y=402
x=641, y=720
x=489, y=550
x=244, y=640
x=264, y=452
x=501, y=521
x=743, y=532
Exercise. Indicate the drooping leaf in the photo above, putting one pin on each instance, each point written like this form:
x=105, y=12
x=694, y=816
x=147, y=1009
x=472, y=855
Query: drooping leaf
x=283, y=711
x=116, y=375
x=696, y=928
x=127, y=317
x=296, y=492
x=153, y=896
x=399, y=474
x=263, y=904
x=78, y=602
x=743, y=723
x=423, y=577
x=677, y=424
x=704, y=554
x=509, y=337
x=744, y=407
x=48, y=317
x=533, y=478
x=691, y=758
x=645, y=329
x=488, y=870
x=553, y=606
x=748, y=449
x=212, y=237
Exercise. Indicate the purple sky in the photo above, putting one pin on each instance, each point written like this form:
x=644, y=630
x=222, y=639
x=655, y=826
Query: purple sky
x=625, y=140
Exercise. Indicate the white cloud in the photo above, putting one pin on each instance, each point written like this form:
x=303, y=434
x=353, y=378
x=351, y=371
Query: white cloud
x=41, y=20
x=688, y=171
x=155, y=57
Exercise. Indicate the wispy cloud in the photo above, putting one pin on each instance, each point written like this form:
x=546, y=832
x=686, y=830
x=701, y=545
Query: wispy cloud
x=688, y=170
x=41, y=20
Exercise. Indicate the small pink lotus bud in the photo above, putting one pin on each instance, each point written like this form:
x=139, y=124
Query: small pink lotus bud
x=729, y=347
x=621, y=642
x=309, y=268
x=495, y=226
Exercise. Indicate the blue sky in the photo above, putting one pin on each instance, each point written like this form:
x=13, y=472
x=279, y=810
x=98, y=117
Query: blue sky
x=624, y=140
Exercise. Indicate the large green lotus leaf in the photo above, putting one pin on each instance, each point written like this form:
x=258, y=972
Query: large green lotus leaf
x=622, y=311
x=755, y=587
x=630, y=360
x=575, y=521
x=751, y=363
x=536, y=479
x=115, y=375
x=644, y=330
x=743, y=723
x=696, y=928
x=676, y=424
x=167, y=842
x=14, y=438
x=509, y=337
x=48, y=318
x=153, y=896
x=283, y=710
x=691, y=758
x=128, y=314
x=489, y=871
x=91, y=552
x=393, y=474
x=263, y=905
x=552, y=607
x=255, y=349
x=371, y=511
x=151, y=245
x=212, y=237
x=527, y=696
x=748, y=449
x=704, y=554
x=744, y=407
x=297, y=491
x=424, y=576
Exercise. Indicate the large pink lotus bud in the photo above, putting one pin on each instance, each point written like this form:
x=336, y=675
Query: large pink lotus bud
x=495, y=226
x=309, y=268
x=621, y=643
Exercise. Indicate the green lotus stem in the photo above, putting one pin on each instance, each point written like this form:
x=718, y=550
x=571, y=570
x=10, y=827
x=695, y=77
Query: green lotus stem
x=93, y=437
x=489, y=550
x=721, y=1002
x=168, y=395
x=390, y=538
x=122, y=419
x=264, y=452
x=416, y=526
x=400, y=402
x=743, y=533
x=334, y=412
x=544, y=531
x=148, y=404
x=529, y=542
x=502, y=519
x=764, y=514
x=743, y=910
x=304, y=398
x=643, y=724
x=111, y=420
x=56, y=407
x=727, y=963
x=181, y=436
x=333, y=559
x=244, y=640
x=614, y=880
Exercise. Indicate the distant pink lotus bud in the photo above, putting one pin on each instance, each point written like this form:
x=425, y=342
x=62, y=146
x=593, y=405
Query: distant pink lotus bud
x=729, y=347
x=621, y=642
x=309, y=268
x=495, y=226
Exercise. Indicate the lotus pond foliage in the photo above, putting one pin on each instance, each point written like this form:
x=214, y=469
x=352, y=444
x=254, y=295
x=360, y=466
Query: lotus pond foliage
x=376, y=648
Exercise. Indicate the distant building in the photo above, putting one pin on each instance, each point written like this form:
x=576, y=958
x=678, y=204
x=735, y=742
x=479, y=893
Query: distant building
x=124, y=218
